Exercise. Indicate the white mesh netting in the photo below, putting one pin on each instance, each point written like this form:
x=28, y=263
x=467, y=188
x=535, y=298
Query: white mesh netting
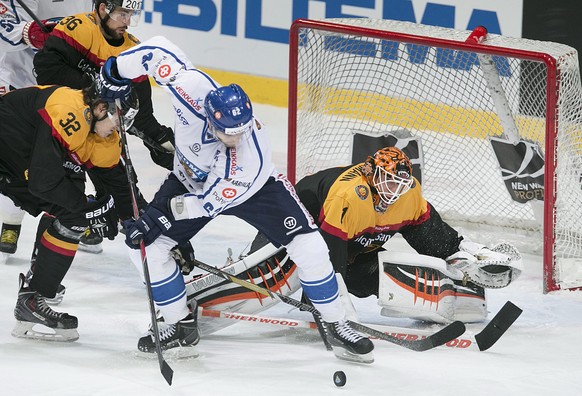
x=348, y=82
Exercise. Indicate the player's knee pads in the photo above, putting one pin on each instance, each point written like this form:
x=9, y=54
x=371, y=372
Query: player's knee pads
x=157, y=252
x=422, y=287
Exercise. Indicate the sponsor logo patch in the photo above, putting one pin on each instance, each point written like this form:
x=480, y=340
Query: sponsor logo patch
x=229, y=193
x=362, y=192
x=290, y=222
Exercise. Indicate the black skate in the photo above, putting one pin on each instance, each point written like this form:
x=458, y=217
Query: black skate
x=58, y=298
x=32, y=310
x=90, y=242
x=9, y=238
x=348, y=344
x=182, y=334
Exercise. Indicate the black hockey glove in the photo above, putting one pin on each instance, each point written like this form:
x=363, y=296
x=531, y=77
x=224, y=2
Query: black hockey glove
x=183, y=254
x=164, y=138
x=147, y=228
x=110, y=85
x=102, y=217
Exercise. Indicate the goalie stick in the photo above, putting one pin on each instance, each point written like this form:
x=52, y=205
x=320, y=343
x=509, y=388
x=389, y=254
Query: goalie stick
x=481, y=341
x=165, y=369
x=441, y=337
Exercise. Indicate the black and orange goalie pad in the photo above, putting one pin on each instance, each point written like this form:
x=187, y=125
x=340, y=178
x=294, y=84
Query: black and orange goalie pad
x=267, y=267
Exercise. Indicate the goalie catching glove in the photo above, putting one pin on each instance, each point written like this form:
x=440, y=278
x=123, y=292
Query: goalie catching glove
x=494, y=267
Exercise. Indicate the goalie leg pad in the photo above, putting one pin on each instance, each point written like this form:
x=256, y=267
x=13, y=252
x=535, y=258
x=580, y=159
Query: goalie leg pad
x=421, y=287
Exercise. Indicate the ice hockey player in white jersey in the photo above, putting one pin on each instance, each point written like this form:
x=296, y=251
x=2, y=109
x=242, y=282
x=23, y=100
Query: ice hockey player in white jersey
x=20, y=38
x=222, y=166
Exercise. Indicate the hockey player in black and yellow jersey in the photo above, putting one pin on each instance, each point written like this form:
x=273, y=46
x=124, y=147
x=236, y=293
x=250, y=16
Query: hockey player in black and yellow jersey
x=48, y=136
x=77, y=48
x=360, y=207
x=80, y=44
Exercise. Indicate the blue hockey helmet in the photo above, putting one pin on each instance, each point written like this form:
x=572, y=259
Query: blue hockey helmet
x=229, y=110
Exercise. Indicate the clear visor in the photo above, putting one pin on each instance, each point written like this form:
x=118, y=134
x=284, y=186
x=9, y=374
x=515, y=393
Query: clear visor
x=231, y=137
x=389, y=186
x=123, y=15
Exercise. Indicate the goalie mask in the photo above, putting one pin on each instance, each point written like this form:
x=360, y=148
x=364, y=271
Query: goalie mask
x=229, y=113
x=389, y=172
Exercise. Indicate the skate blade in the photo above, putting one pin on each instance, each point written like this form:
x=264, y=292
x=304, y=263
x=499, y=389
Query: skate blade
x=178, y=353
x=346, y=355
x=4, y=257
x=36, y=331
x=95, y=249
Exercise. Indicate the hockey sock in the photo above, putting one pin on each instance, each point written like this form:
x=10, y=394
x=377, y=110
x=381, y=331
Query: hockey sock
x=55, y=256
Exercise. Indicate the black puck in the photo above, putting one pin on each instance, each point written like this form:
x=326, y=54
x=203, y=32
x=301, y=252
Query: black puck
x=339, y=378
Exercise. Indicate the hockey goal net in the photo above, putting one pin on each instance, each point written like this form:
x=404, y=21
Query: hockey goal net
x=356, y=81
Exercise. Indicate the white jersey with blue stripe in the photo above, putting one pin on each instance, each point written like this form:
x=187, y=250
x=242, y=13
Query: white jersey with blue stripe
x=216, y=176
x=16, y=68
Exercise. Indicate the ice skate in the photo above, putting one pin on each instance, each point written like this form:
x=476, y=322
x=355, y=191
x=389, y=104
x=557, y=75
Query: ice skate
x=348, y=344
x=36, y=320
x=9, y=238
x=58, y=298
x=182, y=334
x=90, y=242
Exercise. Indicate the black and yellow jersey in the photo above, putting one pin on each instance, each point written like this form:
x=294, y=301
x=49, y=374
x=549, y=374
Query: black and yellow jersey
x=46, y=138
x=341, y=202
x=76, y=49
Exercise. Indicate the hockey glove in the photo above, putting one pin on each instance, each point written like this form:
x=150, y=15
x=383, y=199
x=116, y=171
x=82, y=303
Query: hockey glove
x=164, y=140
x=183, y=255
x=494, y=267
x=147, y=228
x=110, y=85
x=102, y=217
x=34, y=35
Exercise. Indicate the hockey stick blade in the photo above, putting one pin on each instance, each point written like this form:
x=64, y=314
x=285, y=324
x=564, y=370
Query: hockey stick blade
x=441, y=337
x=167, y=372
x=498, y=326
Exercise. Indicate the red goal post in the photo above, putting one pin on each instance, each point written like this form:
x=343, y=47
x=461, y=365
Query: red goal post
x=461, y=96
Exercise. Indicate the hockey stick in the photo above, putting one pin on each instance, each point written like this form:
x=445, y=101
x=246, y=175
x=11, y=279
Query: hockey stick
x=33, y=16
x=165, y=369
x=148, y=140
x=443, y=336
x=481, y=341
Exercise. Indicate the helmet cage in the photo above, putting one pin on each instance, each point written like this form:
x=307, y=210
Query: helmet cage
x=391, y=186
